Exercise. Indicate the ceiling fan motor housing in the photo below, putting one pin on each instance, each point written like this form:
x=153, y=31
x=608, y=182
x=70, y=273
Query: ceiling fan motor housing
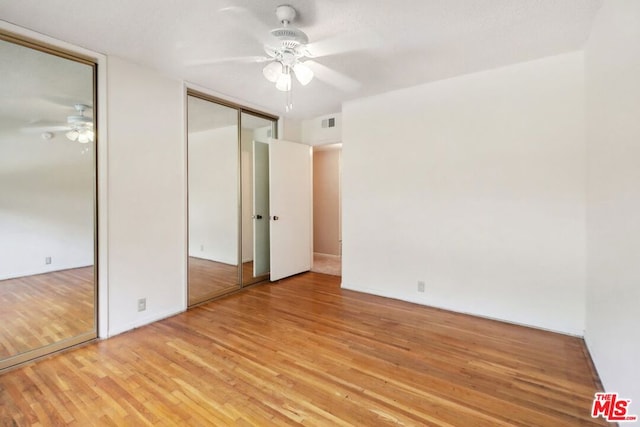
x=285, y=13
x=80, y=120
x=289, y=38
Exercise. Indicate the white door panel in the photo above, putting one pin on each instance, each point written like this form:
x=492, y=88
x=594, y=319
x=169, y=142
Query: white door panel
x=290, y=208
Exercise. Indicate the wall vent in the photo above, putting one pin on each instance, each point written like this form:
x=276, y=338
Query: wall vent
x=329, y=123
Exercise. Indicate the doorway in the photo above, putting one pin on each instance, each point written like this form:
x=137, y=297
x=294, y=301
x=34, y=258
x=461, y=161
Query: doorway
x=327, y=209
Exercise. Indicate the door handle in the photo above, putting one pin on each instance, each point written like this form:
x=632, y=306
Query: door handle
x=275, y=218
x=258, y=216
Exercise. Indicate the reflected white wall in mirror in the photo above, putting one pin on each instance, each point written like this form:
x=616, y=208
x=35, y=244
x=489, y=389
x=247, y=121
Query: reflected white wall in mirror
x=213, y=174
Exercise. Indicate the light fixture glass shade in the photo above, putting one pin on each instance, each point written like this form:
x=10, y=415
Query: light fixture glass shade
x=272, y=71
x=303, y=73
x=85, y=136
x=82, y=135
x=284, y=82
x=72, y=135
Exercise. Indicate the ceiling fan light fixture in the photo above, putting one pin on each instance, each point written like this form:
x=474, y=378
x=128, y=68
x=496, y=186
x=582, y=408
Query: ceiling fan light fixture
x=82, y=135
x=303, y=73
x=72, y=135
x=272, y=71
x=84, y=138
x=284, y=82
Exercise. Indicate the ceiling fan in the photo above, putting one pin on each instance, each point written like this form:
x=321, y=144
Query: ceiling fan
x=289, y=52
x=78, y=127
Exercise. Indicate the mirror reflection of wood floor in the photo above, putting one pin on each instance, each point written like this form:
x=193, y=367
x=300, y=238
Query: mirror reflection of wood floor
x=39, y=310
x=305, y=351
x=208, y=279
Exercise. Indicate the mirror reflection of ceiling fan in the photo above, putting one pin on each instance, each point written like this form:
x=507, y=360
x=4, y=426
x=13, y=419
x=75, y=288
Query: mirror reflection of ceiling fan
x=289, y=52
x=78, y=127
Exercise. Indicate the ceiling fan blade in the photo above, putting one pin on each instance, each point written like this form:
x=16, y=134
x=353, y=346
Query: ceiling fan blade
x=246, y=20
x=360, y=40
x=40, y=129
x=237, y=59
x=66, y=102
x=46, y=104
x=333, y=77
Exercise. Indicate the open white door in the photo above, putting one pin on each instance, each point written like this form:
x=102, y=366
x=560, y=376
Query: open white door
x=290, y=208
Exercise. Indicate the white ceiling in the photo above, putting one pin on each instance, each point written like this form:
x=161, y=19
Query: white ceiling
x=403, y=43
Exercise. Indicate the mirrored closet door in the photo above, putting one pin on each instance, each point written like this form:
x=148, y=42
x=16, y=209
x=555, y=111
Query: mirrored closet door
x=213, y=173
x=228, y=198
x=255, y=138
x=47, y=200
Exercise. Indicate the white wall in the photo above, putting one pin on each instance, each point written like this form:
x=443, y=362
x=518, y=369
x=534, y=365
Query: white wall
x=213, y=194
x=475, y=185
x=613, y=218
x=146, y=192
x=46, y=207
x=326, y=199
x=290, y=129
x=314, y=134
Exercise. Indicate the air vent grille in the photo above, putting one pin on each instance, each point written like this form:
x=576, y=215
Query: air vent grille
x=329, y=123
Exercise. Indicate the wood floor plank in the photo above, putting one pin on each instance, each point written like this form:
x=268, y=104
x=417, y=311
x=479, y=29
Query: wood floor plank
x=304, y=351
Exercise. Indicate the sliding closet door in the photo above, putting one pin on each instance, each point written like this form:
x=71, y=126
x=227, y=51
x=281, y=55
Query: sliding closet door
x=256, y=133
x=47, y=201
x=228, y=192
x=213, y=191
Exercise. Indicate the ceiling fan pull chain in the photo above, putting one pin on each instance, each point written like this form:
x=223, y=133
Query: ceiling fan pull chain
x=289, y=105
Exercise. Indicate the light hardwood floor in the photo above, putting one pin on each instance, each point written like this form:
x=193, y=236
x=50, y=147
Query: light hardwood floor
x=305, y=351
x=42, y=309
x=209, y=279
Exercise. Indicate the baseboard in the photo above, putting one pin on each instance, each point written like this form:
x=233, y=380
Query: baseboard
x=35, y=272
x=143, y=322
x=481, y=316
x=329, y=255
x=592, y=367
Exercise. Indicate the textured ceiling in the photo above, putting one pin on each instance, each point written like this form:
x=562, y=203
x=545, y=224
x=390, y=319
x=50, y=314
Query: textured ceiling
x=399, y=43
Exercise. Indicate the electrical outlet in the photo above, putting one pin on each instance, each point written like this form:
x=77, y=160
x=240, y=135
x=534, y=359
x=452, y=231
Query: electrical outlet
x=47, y=260
x=201, y=248
x=142, y=304
x=420, y=286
